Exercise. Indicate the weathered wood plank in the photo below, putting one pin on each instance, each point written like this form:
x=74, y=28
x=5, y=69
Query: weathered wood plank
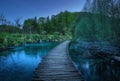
x=57, y=66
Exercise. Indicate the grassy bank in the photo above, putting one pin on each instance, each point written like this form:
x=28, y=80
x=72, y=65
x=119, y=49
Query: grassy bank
x=10, y=40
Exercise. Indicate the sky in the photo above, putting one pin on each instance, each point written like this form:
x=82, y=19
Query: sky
x=24, y=9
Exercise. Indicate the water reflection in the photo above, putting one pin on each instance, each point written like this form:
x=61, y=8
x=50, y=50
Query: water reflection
x=97, y=69
x=18, y=64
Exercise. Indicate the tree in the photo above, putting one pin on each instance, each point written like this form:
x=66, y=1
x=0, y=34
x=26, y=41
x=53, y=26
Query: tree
x=35, y=25
x=3, y=20
x=27, y=27
x=41, y=24
x=17, y=22
x=106, y=13
x=87, y=6
x=47, y=27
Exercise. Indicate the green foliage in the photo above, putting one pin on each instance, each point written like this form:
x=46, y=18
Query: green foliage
x=9, y=29
x=59, y=27
x=57, y=23
x=89, y=27
x=99, y=21
x=30, y=26
x=10, y=40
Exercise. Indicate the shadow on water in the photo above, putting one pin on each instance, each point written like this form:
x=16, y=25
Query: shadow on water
x=97, y=69
x=19, y=63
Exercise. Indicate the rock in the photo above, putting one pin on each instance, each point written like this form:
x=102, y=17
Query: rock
x=95, y=49
x=116, y=58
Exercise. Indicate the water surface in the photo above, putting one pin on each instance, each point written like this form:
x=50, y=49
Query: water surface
x=96, y=69
x=18, y=64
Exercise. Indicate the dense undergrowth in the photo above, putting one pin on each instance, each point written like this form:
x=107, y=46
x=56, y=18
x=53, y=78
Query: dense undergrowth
x=10, y=40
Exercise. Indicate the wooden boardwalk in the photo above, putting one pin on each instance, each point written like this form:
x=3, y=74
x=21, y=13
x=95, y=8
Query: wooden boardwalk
x=57, y=66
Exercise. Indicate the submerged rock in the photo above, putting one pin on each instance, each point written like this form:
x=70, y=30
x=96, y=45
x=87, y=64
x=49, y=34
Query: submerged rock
x=95, y=49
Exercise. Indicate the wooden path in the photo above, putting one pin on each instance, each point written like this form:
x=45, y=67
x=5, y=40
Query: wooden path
x=57, y=66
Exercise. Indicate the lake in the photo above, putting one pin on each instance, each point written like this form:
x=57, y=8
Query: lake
x=101, y=69
x=18, y=64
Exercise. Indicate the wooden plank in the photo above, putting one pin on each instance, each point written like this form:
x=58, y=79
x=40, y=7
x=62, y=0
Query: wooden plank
x=57, y=66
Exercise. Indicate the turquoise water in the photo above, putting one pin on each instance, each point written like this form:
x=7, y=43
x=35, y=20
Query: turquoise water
x=18, y=64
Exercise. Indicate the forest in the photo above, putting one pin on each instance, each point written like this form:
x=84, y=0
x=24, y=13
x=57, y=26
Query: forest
x=57, y=28
x=98, y=21
x=96, y=40
x=97, y=30
x=90, y=50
